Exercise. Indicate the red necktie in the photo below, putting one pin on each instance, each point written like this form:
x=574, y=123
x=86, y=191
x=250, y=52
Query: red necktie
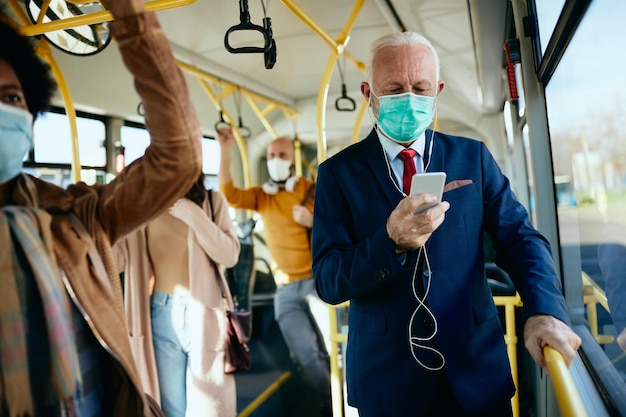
x=409, y=168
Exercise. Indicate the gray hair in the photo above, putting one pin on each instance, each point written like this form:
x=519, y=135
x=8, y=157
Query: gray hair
x=398, y=39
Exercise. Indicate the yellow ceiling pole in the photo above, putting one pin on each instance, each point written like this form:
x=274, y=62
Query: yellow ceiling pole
x=359, y=119
x=260, y=114
x=97, y=17
x=295, y=9
x=43, y=50
x=251, y=97
x=236, y=133
x=337, y=48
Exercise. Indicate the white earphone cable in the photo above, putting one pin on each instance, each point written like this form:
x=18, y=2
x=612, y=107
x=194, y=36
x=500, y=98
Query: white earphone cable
x=417, y=342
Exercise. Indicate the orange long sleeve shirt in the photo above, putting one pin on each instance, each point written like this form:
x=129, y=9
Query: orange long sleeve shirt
x=286, y=240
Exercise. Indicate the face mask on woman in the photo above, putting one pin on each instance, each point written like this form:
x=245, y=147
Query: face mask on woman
x=404, y=117
x=16, y=140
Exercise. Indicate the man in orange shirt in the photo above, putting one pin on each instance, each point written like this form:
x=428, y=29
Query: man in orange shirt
x=287, y=218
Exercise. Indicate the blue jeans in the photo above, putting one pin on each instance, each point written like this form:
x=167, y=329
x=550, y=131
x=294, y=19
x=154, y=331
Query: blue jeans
x=291, y=310
x=170, y=337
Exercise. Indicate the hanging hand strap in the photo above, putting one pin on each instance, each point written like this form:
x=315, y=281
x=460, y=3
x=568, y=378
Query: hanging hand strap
x=246, y=25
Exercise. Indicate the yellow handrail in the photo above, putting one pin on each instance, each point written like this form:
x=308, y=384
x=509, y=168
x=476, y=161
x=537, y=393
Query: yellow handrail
x=567, y=395
x=94, y=18
x=252, y=97
x=338, y=47
x=566, y=392
x=264, y=395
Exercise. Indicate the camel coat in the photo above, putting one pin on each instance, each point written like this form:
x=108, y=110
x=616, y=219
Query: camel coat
x=209, y=242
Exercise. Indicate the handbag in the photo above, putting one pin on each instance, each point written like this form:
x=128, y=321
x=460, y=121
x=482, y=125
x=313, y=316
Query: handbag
x=241, y=315
x=237, y=357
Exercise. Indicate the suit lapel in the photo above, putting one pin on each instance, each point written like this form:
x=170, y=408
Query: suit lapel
x=436, y=157
x=374, y=155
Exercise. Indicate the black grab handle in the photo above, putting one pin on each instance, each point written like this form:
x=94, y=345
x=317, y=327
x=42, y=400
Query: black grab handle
x=349, y=104
x=245, y=24
x=221, y=123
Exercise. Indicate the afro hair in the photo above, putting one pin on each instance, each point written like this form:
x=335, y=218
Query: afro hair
x=34, y=74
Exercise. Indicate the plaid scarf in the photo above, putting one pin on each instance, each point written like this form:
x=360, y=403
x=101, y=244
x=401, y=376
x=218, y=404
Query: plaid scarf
x=30, y=282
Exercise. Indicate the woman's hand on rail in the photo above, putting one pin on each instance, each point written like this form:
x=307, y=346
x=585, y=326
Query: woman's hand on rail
x=541, y=330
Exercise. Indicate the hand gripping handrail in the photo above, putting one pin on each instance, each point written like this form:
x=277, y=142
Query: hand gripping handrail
x=567, y=395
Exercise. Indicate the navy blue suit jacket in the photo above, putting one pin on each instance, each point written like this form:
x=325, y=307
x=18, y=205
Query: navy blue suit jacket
x=354, y=259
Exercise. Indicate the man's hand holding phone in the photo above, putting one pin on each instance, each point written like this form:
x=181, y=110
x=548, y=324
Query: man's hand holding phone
x=404, y=228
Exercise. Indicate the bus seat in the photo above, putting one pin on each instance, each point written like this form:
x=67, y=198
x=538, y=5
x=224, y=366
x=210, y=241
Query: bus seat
x=499, y=281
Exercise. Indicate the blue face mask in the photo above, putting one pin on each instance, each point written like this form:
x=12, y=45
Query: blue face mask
x=404, y=117
x=16, y=140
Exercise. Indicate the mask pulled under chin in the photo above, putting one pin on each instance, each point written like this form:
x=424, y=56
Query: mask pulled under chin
x=16, y=131
x=404, y=117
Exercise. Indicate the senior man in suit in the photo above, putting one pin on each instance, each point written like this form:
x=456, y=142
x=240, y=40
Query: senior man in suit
x=424, y=334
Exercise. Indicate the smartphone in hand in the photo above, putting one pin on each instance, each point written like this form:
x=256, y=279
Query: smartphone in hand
x=428, y=183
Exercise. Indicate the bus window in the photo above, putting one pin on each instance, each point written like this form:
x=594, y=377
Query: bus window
x=135, y=140
x=548, y=14
x=53, y=140
x=210, y=156
x=587, y=118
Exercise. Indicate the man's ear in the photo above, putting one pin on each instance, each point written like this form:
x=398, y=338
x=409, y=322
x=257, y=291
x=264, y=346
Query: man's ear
x=440, y=86
x=365, y=90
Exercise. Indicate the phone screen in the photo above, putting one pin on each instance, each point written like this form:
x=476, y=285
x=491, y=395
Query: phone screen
x=428, y=183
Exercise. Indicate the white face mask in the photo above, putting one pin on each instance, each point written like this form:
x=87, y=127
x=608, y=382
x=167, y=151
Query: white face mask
x=16, y=140
x=279, y=169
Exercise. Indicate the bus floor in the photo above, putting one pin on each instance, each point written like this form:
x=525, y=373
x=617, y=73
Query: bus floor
x=270, y=360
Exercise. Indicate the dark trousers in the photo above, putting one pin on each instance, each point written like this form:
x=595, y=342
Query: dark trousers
x=444, y=405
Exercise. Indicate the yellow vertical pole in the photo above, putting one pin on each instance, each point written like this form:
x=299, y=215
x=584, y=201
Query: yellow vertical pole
x=43, y=50
x=359, y=119
x=297, y=147
x=510, y=338
x=511, y=347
